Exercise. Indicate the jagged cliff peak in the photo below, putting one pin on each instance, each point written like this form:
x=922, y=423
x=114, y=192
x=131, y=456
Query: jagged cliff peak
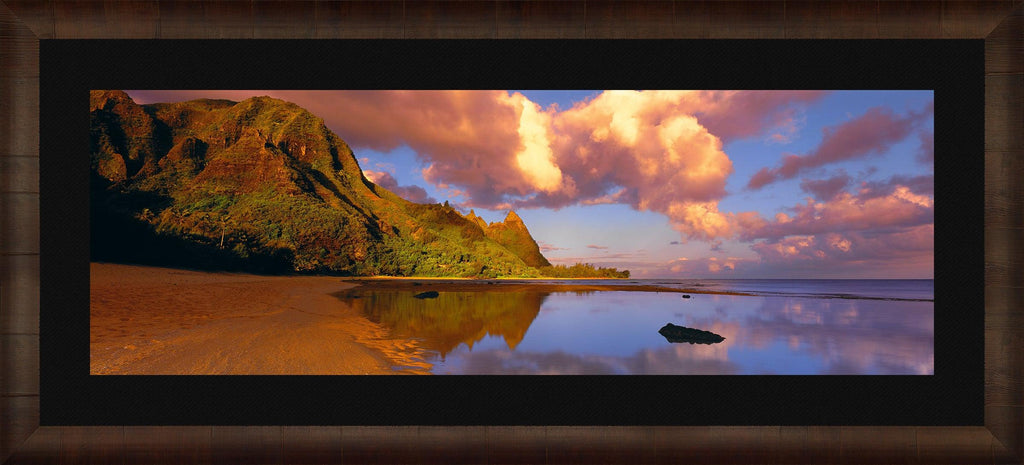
x=263, y=183
x=513, y=218
x=513, y=234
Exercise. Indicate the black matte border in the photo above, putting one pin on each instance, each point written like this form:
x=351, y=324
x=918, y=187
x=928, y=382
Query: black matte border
x=952, y=68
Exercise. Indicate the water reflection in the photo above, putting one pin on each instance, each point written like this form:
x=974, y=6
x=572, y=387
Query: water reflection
x=616, y=332
x=451, y=318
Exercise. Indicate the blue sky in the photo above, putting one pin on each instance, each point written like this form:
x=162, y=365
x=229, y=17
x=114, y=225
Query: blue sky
x=685, y=165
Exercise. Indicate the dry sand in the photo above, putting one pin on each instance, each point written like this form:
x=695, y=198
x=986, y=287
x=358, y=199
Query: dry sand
x=147, y=320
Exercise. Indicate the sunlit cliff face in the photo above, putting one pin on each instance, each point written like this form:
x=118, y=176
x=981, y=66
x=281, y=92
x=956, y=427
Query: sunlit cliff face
x=656, y=151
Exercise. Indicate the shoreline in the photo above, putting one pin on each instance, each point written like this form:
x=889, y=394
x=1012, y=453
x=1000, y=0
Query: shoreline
x=153, y=320
x=521, y=285
x=149, y=320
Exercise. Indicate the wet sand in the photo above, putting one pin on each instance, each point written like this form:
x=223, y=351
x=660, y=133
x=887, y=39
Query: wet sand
x=147, y=320
x=150, y=320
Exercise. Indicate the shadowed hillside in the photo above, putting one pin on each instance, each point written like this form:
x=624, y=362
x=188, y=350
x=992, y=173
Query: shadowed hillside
x=264, y=185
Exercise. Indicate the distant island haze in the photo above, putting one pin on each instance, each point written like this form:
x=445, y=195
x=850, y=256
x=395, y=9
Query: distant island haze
x=562, y=232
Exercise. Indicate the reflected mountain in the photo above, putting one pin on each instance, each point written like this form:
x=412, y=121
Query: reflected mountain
x=615, y=332
x=451, y=318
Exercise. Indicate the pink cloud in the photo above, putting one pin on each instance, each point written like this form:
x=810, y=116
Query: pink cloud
x=415, y=194
x=787, y=130
x=657, y=151
x=545, y=247
x=900, y=209
x=826, y=188
x=871, y=133
x=926, y=151
x=467, y=138
x=705, y=266
x=924, y=185
x=903, y=253
x=889, y=225
x=738, y=114
x=909, y=251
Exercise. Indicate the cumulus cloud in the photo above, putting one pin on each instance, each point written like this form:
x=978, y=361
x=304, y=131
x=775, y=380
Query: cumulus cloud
x=865, y=250
x=700, y=220
x=887, y=226
x=902, y=253
x=415, y=194
x=706, y=266
x=657, y=151
x=871, y=133
x=891, y=234
x=901, y=208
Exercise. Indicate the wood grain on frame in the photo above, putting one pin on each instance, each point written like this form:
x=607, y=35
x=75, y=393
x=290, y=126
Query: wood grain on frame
x=24, y=22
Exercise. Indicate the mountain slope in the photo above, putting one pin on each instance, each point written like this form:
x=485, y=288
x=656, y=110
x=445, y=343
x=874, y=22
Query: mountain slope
x=231, y=184
x=514, y=236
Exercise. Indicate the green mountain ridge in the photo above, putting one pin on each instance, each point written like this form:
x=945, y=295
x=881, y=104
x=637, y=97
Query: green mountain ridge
x=264, y=184
x=513, y=235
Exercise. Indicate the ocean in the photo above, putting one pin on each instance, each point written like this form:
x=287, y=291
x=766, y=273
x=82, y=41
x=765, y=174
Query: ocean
x=784, y=327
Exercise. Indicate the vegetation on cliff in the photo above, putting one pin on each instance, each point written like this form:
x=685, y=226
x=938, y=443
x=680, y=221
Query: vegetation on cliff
x=264, y=185
x=582, y=270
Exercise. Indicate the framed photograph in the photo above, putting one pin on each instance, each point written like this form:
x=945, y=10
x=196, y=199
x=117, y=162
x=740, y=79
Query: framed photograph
x=293, y=189
x=896, y=144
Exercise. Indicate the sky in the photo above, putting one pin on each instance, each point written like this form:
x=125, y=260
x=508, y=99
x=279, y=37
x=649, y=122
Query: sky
x=666, y=184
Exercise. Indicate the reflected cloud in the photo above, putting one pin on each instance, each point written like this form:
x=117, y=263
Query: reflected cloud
x=608, y=333
x=847, y=336
x=670, y=360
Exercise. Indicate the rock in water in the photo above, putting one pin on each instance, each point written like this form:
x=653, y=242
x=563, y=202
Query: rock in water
x=693, y=336
x=427, y=295
x=686, y=296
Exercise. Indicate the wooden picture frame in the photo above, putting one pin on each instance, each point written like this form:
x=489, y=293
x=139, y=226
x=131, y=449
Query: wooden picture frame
x=23, y=24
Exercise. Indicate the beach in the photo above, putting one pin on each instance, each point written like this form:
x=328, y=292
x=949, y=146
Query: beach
x=148, y=320
x=160, y=321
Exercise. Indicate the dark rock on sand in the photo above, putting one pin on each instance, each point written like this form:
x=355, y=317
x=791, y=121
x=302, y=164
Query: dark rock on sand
x=693, y=336
x=427, y=295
